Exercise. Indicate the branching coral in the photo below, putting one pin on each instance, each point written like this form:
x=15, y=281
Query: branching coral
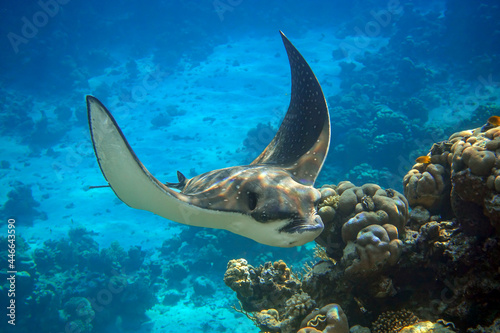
x=320, y=252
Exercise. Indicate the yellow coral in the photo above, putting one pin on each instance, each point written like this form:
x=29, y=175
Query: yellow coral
x=320, y=252
x=332, y=201
x=394, y=321
x=425, y=327
x=283, y=270
x=237, y=277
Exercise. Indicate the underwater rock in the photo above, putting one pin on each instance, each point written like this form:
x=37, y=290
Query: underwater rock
x=171, y=297
x=419, y=215
x=203, y=286
x=493, y=328
x=175, y=273
x=368, y=220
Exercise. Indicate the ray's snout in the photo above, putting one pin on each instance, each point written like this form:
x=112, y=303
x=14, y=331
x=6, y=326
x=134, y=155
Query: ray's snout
x=318, y=223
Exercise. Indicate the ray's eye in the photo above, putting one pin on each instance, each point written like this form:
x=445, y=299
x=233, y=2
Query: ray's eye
x=252, y=200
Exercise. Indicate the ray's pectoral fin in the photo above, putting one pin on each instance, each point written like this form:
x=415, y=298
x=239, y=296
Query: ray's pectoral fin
x=302, y=141
x=295, y=155
x=128, y=177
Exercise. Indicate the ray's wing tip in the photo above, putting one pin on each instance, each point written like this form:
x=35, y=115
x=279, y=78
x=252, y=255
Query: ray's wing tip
x=90, y=99
x=284, y=38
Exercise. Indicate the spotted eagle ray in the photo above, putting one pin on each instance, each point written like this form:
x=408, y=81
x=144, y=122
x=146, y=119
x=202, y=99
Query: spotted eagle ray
x=271, y=201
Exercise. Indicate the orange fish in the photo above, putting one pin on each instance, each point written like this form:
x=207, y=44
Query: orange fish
x=494, y=120
x=423, y=159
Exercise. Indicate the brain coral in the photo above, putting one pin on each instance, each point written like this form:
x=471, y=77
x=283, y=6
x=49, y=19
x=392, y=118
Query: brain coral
x=299, y=304
x=368, y=220
x=426, y=185
x=462, y=179
x=376, y=246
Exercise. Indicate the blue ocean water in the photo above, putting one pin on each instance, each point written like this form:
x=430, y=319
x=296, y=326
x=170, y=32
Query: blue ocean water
x=197, y=86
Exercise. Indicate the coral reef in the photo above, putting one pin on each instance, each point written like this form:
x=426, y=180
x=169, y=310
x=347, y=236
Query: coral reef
x=368, y=220
x=78, y=315
x=21, y=205
x=442, y=266
x=257, y=139
x=427, y=185
x=268, y=286
x=461, y=180
x=272, y=292
x=70, y=284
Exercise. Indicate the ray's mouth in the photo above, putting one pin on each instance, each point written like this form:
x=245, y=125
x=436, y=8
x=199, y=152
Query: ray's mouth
x=301, y=225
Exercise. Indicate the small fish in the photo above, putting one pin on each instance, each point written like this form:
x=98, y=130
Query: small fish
x=423, y=159
x=493, y=121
